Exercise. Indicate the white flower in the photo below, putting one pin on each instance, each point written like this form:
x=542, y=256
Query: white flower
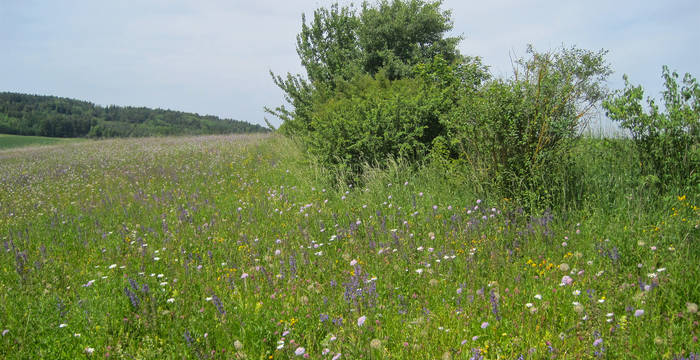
x=156, y=258
x=419, y=271
x=528, y=305
x=62, y=325
x=353, y=262
x=170, y=301
x=299, y=351
x=538, y=297
x=89, y=350
x=361, y=320
x=113, y=266
x=576, y=292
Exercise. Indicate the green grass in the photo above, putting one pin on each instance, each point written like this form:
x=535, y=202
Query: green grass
x=15, y=141
x=232, y=247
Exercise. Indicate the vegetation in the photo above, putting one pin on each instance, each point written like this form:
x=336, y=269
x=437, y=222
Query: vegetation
x=667, y=142
x=234, y=247
x=15, y=141
x=416, y=207
x=22, y=114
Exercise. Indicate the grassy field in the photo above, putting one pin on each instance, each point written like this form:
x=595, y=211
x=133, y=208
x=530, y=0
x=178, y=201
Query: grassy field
x=15, y=141
x=238, y=247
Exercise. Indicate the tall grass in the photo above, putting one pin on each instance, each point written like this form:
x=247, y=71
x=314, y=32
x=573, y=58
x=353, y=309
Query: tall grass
x=239, y=247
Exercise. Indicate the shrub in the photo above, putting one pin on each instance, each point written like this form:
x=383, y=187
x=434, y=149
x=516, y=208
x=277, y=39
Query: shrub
x=517, y=133
x=666, y=141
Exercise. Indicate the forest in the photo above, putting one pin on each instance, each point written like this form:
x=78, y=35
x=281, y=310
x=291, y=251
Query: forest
x=23, y=114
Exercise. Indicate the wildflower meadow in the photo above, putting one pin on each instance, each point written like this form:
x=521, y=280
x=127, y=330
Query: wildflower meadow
x=239, y=247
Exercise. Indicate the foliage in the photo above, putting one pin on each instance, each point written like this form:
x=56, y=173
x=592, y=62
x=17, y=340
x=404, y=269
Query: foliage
x=340, y=44
x=372, y=119
x=668, y=141
x=517, y=132
x=22, y=114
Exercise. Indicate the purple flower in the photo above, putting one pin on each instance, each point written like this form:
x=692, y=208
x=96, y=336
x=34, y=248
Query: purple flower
x=598, y=342
x=337, y=356
x=484, y=325
x=361, y=320
x=299, y=351
x=566, y=280
x=639, y=312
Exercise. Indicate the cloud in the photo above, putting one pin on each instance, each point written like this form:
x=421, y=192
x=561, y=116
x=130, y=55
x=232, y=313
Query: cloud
x=213, y=57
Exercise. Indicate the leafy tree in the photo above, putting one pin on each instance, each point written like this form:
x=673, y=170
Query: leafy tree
x=340, y=44
x=667, y=140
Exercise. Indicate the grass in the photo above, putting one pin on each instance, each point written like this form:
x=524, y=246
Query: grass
x=239, y=247
x=16, y=141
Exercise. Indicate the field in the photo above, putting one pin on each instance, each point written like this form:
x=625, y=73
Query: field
x=15, y=141
x=238, y=247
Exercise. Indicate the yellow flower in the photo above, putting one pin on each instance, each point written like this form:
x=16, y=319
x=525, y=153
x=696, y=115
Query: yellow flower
x=681, y=198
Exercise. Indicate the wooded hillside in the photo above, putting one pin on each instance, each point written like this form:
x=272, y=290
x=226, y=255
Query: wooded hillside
x=23, y=114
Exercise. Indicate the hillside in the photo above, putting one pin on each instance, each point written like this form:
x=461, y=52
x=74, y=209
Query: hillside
x=23, y=114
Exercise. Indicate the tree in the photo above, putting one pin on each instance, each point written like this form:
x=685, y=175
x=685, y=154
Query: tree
x=339, y=44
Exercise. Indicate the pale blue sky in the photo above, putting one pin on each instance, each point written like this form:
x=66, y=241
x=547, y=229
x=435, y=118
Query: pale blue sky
x=213, y=57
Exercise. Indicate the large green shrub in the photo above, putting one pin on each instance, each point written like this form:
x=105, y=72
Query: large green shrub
x=371, y=119
x=667, y=140
x=517, y=133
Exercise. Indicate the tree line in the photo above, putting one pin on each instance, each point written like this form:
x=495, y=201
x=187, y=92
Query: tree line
x=23, y=114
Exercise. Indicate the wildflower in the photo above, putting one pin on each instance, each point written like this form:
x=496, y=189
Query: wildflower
x=375, y=344
x=564, y=267
x=353, y=262
x=598, y=342
x=639, y=312
x=566, y=280
x=691, y=307
x=538, y=297
x=529, y=305
x=325, y=351
x=337, y=356
x=244, y=275
x=299, y=351
x=62, y=325
x=113, y=266
x=76, y=335
x=484, y=325
x=4, y=332
x=170, y=301
x=156, y=258
x=238, y=345
x=576, y=292
x=419, y=271
x=361, y=320
x=89, y=350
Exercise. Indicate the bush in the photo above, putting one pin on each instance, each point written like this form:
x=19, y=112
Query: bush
x=517, y=133
x=667, y=142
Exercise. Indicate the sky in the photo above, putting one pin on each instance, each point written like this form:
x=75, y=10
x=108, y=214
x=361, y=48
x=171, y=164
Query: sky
x=214, y=56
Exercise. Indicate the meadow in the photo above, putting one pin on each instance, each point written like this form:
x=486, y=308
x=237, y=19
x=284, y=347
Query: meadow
x=240, y=247
x=14, y=141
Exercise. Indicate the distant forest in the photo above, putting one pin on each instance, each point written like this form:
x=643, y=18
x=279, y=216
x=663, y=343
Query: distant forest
x=23, y=114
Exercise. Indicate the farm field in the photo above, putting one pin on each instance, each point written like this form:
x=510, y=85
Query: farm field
x=239, y=247
x=14, y=141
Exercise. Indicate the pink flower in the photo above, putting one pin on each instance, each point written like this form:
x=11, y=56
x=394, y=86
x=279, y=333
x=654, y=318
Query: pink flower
x=361, y=320
x=566, y=280
x=299, y=351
